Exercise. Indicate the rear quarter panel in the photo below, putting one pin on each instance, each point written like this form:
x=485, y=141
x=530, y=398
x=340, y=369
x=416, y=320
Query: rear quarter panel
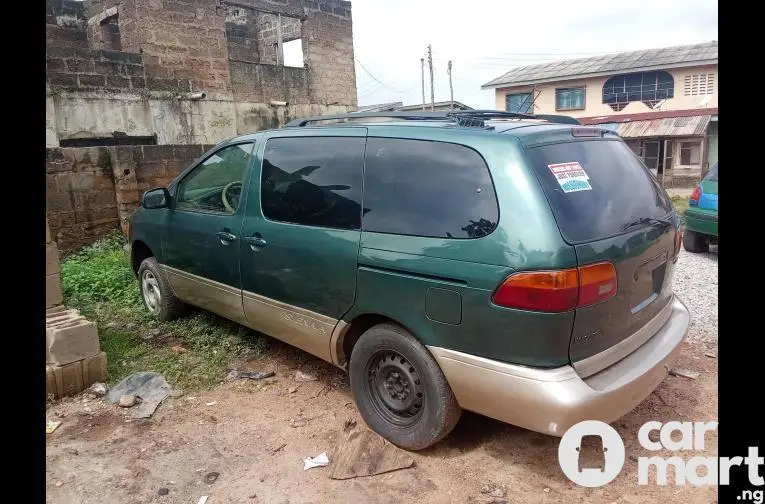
x=398, y=274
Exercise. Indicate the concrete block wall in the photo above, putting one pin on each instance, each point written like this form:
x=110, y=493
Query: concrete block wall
x=75, y=68
x=136, y=169
x=92, y=190
x=169, y=48
x=328, y=52
x=53, y=295
x=179, y=39
x=73, y=357
x=258, y=83
x=80, y=195
x=65, y=24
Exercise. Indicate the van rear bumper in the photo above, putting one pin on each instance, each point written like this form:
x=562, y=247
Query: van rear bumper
x=552, y=400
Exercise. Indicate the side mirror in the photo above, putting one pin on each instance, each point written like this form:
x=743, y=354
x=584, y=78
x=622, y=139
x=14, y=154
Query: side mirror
x=156, y=198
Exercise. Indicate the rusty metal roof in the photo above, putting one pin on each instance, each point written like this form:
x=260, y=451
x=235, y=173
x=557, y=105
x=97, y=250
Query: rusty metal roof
x=607, y=64
x=668, y=126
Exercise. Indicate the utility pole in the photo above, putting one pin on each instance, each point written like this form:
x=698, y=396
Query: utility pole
x=422, y=72
x=430, y=66
x=451, y=89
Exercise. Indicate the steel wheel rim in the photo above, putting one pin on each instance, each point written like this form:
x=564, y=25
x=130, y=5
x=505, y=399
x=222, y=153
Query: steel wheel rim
x=150, y=289
x=395, y=388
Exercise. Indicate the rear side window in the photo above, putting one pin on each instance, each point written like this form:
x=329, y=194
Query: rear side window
x=314, y=181
x=433, y=189
x=611, y=189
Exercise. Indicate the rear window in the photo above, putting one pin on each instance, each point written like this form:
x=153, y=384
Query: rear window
x=596, y=187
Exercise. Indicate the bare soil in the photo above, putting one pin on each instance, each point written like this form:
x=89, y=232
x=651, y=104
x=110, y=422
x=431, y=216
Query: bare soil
x=256, y=434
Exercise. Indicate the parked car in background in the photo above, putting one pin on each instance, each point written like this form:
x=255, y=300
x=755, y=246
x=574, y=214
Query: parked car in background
x=701, y=215
x=484, y=260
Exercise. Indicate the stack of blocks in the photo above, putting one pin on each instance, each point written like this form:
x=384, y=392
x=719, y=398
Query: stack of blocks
x=73, y=359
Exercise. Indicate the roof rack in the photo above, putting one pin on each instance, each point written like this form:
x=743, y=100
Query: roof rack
x=468, y=118
x=407, y=116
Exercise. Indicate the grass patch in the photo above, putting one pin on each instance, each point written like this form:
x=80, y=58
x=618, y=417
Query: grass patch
x=193, y=352
x=681, y=204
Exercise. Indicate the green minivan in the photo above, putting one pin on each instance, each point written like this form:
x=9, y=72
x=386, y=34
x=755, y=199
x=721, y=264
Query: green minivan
x=495, y=262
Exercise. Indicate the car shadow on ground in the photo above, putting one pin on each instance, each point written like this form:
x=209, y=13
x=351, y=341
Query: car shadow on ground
x=674, y=399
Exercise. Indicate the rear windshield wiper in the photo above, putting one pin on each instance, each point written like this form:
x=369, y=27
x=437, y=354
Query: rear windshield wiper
x=645, y=220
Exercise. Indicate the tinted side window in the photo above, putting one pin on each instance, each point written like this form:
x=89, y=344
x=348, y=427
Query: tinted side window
x=314, y=181
x=436, y=189
x=216, y=184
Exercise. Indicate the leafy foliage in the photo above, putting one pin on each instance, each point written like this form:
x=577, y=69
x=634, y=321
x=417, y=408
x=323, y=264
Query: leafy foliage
x=192, y=352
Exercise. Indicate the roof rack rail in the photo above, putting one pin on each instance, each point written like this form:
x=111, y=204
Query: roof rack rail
x=468, y=118
x=407, y=116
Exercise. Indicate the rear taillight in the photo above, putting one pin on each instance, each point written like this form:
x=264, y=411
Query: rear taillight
x=597, y=282
x=695, y=196
x=678, y=244
x=558, y=291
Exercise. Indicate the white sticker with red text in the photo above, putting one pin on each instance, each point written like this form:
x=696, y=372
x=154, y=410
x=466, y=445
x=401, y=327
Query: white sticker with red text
x=571, y=177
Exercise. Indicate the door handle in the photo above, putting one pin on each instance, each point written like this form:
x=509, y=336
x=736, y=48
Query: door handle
x=255, y=242
x=225, y=237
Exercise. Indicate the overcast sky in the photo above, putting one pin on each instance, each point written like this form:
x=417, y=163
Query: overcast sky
x=484, y=39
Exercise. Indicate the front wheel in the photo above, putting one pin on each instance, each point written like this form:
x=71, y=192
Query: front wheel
x=157, y=295
x=399, y=389
x=695, y=242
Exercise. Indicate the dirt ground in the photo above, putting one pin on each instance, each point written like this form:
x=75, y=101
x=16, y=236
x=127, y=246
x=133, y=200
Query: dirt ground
x=256, y=435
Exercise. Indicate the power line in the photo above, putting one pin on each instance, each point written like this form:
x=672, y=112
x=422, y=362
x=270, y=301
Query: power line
x=390, y=88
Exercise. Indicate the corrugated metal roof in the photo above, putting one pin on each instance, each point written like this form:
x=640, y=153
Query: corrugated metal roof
x=443, y=105
x=667, y=127
x=645, y=116
x=665, y=57
x=380, y=107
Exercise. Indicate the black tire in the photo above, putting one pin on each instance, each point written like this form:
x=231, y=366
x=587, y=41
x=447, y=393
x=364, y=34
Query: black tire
x=167, y=307
x=695, y=242
x=389, y=366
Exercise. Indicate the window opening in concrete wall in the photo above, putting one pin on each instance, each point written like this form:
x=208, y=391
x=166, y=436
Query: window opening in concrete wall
x=690, y=153
x=279, y=40
x=293, y=53
x=110, y=33
x=109, y=141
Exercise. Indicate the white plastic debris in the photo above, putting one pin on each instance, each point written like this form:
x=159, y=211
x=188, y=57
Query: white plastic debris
x=211, y=403
x=685, y=373
x=203, y=499
x=52, y=425
x=320, y=460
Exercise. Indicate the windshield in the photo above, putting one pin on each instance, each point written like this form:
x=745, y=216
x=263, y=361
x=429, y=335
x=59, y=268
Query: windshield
x=712, y=175
x=597, y=187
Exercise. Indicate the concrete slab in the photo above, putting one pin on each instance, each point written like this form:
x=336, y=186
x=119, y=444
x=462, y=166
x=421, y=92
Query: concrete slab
x=53, y=294
x=52, y=263
x=75, y=377
x=71, y=341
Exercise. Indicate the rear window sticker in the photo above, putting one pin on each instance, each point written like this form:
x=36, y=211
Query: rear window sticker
x=571, y=177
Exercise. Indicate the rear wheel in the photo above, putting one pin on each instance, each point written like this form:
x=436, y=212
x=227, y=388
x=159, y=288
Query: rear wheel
x=695, y=242
x=399, y=389
x=157, y=295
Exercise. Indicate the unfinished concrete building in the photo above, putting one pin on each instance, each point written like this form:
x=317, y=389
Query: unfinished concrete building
x=136, y=89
